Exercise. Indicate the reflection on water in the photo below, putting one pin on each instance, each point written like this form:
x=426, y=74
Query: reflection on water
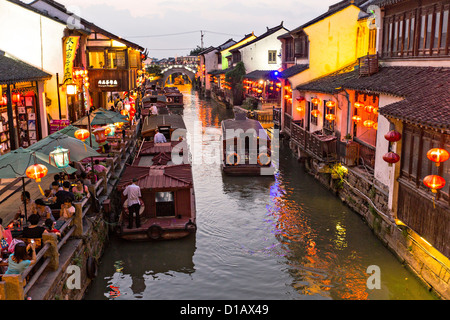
x=282, y=237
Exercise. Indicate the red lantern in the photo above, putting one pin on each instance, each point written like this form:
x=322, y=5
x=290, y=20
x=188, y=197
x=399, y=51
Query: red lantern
x=368, y=123
x=330, y=117
x=434, y=182
x=15, y=97
x=300, y=99
x=3, y=101
x=358, y=105
x=438, y=155
x=36, y=172
x=330, y=104
x=100, y=135
x=315, y=101
x=315, y=113
x=393, y=136
x=356, y=118
x=81, y=134
x=391, y=157
x=369, y=108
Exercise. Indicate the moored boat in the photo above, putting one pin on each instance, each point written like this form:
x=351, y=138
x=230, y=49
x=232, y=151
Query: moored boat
x=246, y=147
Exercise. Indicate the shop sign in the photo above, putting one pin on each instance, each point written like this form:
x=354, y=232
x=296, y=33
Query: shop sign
x=107, y=83
x=70, y=47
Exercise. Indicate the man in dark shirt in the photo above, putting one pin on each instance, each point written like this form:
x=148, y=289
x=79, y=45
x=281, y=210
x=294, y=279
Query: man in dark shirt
x=33, y=231
x=62, y=195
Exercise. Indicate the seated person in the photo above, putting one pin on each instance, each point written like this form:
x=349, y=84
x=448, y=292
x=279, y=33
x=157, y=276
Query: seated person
x=33, y=230
x=19, y=260
x=84, y=179
x=99, y=167
x=42, y=210
x=30, y=206
x=81, y=189
x=62, y=195
x=67, y=211
x=50, y=228
x=57, y=179
x=55, y=188
x=159, y=137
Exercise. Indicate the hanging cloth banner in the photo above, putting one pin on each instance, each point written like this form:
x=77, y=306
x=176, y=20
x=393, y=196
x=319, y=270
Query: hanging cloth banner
x=70, y=49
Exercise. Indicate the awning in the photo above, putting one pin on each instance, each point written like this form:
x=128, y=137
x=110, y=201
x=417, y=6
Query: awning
x=13, y=70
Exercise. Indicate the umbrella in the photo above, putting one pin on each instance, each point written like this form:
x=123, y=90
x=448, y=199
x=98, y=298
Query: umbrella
x=70, y=131
x=78, y=150
x=14, y=164
x=102, y=118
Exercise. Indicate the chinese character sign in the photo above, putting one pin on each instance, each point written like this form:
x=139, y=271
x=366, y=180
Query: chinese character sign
x=70, y=47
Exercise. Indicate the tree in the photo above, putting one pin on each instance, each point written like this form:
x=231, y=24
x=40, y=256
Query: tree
x=235, y=78
x=154, y=70
x=196, y=51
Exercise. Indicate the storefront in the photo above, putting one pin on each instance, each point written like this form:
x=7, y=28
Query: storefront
x=22, y=107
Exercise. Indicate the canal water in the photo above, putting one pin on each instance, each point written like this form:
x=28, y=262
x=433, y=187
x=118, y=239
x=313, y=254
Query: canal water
x=280, y=238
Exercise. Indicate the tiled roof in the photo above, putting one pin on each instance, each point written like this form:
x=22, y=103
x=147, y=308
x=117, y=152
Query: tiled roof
x=13, y=70
x=264, y=35
x=425, y=91
x=258, y=74
x=157, y=177
x=292, y=71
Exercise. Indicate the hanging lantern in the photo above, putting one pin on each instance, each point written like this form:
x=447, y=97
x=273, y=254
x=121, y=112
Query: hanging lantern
x=434, y=182
x=375, y=110
x=100, y=135
x=315, y=101
x=393, y=136
x=36, y=172
x=438, y=155
x=3, y=101
x=356, y=118
x=369, y=108
x=375, y=126
x=299, y=109
x=300, y=99
x=358, y=105
x=81, y=134
x=112, y=128
x=71, y=89
x=391, y=157
x=330, y=117
x=315, y=113
x=15, y=97
x=107, y=130
x=368, y=123
x=60, y=157
x=330, y=104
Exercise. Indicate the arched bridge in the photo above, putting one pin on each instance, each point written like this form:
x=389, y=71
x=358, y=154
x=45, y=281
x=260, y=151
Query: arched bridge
x=188, y=70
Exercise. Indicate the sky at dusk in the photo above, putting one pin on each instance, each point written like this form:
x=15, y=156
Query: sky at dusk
x=169, y=28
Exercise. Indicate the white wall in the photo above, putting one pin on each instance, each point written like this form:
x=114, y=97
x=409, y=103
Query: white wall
x=210, y=64
x=255, y=56
x=36, y=40
x=382, y=171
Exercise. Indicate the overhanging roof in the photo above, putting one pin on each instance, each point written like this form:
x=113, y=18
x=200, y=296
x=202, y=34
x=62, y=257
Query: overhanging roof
x=13, y=70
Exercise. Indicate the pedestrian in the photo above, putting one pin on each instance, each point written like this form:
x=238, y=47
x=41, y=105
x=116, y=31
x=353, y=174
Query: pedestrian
x=133, y=193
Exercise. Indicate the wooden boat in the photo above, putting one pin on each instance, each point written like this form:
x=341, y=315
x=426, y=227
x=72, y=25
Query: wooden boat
x=174, y=99
x=164, y=123
x=167, y=203
x=167, y=189
x=246, y=147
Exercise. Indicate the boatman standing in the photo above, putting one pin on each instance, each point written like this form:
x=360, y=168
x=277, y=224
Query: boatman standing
x=133, y=193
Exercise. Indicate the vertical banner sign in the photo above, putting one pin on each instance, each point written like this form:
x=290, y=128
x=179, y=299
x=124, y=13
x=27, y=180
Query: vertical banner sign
x=70, y=48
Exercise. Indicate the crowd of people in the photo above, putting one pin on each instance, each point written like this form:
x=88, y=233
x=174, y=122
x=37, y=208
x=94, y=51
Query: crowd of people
x=48, y=214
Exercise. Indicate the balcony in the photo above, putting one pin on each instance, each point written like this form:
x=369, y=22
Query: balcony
x=319, y=146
